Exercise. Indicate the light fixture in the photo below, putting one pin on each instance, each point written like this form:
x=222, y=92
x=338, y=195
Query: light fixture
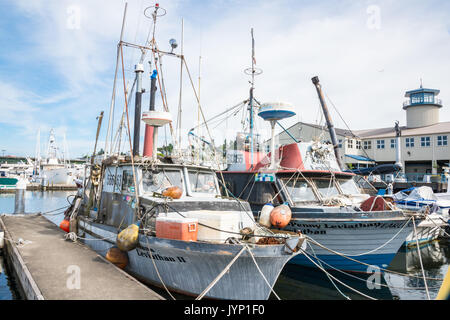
x=173, y=44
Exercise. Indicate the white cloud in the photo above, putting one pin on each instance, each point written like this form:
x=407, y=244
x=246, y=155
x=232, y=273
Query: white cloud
x=364, y=71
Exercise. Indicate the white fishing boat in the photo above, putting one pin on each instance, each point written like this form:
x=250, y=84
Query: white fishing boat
x=55, y=169
x=189, y=238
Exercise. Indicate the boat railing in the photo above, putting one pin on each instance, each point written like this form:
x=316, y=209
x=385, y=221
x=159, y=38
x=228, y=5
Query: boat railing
x=434, y=101
x=415, y=177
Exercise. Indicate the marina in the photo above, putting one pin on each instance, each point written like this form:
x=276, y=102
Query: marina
x=175, y=195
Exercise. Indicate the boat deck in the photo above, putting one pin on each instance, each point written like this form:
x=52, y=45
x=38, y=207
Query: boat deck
x=51, y=268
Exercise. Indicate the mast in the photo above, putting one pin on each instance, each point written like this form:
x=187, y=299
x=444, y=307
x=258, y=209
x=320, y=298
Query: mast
x=330, y=125
x=111, y=110
x=252, y=72
x=139, y=69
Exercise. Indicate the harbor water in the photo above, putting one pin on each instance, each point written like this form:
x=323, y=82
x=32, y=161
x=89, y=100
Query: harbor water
x=404, y=282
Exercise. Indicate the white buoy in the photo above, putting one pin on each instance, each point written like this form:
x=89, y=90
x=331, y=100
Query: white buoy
x=264, y=217
x=2, y=239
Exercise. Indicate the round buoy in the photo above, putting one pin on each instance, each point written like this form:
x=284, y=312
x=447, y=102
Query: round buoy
x=280, y=216
x=117, y=257
x=264, y=217
x=173, y=192
x=65, y=225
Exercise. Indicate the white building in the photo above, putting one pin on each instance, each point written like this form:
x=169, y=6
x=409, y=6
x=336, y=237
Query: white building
x=424, y=140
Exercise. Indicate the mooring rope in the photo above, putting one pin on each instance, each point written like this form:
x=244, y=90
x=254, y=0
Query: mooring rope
x=336, y=279
x=366, y=264
x=420, y=259
x=220, y=275
x=262, y=274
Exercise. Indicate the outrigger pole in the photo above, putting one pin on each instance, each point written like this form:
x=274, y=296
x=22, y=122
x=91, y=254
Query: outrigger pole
x=330, y=125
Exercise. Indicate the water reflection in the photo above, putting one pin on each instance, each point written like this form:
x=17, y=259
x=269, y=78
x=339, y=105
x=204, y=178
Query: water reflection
x=296, y=282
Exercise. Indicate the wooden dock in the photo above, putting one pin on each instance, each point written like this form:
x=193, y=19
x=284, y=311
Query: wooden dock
x=51, y=268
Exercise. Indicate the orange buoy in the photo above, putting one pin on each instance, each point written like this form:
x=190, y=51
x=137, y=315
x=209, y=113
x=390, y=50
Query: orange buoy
x=281, y=216
x=173, y=192
x=117, y=257
x=65, y=225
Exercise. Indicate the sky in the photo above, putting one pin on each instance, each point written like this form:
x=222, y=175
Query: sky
x=58, y=57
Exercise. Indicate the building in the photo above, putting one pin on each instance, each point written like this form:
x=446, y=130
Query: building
x=424, y=141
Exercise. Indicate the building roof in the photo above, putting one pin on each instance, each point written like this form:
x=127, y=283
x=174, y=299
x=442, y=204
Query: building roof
x=339, y=132
x=434, y=91
x=441, y=127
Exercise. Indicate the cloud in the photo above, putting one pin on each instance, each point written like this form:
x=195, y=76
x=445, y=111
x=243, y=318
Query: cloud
x=346, y=43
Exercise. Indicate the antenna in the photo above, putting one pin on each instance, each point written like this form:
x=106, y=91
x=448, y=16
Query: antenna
x=253, y=71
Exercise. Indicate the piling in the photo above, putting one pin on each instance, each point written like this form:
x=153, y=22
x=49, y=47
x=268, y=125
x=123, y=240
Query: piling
x=19, y=203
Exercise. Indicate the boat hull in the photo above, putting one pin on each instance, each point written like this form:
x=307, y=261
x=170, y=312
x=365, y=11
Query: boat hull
x=189, y=267
x=373, y=244
x=57, y=176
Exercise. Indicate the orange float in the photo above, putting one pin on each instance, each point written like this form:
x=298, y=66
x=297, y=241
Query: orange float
x=117, y=257
x=281, y=216
x=65, y=225
x=173, y=192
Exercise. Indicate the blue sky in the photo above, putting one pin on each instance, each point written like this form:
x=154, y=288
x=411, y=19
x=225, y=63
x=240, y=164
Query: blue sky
x=57, y=61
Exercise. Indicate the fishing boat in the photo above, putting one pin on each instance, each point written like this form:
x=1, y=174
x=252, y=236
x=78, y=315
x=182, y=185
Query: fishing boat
x=189, y=238
x=54, y=169
x=348, y=230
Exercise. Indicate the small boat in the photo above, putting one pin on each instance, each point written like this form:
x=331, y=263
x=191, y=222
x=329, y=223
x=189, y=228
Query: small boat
x=8, y=183
x=423, y=199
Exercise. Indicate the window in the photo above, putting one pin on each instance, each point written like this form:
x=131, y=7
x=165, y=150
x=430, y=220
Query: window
x=299, y=191
x=349, y=186
x=442, y=141
x=350, y=143
x=425, y=141
x=380, y=144
x=367, y=145
x=358, y=145
x=157, y=181
x=128, y=181
x=340, y=143
x=263, y=192
x=202, y=182
x=410, y=142
x=326, y=188
x=393, y=143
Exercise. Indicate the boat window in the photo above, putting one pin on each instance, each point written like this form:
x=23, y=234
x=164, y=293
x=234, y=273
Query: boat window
x=128, y=181
x=326, y=187
x=349, y=186
x=299, y=190
x=262, y=193
x=202, y=182
x=157, y=181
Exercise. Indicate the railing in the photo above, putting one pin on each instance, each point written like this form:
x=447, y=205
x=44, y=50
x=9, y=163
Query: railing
x=413, y=177
x=435, y=101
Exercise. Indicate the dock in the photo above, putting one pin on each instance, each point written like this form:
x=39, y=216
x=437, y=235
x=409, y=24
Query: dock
x=48, y=267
